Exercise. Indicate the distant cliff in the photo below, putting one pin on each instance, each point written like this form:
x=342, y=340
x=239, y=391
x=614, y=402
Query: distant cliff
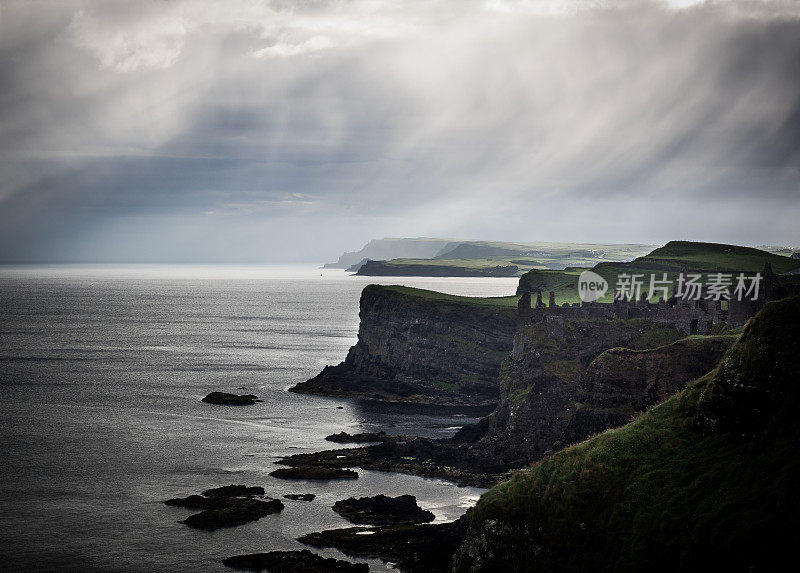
x=705, y=481
x=426, y=269
x=391, y=248
x=421, y=346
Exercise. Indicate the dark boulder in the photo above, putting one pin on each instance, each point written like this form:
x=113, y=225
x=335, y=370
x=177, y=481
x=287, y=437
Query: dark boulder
x=227, y=506
x=311, y=472
x=345, y=438
x=191, y=502
x=226, y=399
x=234, y=491
x=233, y=511
x=383, y=510
x=300, y=496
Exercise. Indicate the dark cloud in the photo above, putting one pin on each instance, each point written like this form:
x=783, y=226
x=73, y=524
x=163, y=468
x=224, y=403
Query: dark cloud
x=254, y=130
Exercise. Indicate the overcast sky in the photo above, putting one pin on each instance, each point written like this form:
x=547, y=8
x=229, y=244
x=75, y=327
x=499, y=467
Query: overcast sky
x=283, y=130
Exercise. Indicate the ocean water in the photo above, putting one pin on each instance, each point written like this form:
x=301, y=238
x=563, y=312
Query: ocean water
x=101, y=373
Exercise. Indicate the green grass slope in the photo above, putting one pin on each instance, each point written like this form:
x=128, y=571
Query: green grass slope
x=706, y=481
x=713, y=257
x=492, y=301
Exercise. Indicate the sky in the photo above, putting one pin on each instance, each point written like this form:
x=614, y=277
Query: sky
x=278, y=130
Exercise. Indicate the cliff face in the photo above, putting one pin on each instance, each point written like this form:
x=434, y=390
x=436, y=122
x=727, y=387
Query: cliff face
x=621, y=382
x=706, y=480
x=418, y=346
x=554, y=384
x=542, y=383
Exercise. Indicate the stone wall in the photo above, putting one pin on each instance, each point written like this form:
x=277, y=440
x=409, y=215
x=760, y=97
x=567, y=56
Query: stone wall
x=695, y=317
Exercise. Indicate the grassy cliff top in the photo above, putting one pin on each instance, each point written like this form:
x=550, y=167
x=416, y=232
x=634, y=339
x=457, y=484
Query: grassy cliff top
x=714, y=257
x=430, y=295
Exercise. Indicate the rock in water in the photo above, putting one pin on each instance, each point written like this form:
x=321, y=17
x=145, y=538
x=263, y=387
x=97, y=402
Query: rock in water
x=345, y=438
x=227, y=506
x=300, y=496
x=294, y=561
x=383, y=510
x=311, y=472
x=234, y=491
x=191, y=502
x=231, y=399
x=234, y=511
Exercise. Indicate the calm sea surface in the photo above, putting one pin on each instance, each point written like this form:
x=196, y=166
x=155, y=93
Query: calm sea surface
x=101, y=373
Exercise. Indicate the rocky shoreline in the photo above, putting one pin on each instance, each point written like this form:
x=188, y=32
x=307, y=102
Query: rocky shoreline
x=426, y=548
x=412, y=455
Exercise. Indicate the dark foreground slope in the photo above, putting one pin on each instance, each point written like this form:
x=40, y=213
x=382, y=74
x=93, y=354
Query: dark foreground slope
x=422, y=346
x=704, y=481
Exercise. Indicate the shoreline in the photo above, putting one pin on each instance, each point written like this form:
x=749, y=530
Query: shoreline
x=411, y=455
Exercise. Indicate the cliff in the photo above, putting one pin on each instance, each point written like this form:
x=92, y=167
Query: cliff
x=391, y=248
x=559, y=388
x=622, y=382
x=433, y=269
x=554, y=383
x=706, y=480
x=422, y=346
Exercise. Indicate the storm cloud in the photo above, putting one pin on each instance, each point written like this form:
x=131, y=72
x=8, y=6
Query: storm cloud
x=280, y=130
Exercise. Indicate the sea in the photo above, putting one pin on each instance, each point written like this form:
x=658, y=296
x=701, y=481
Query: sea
x=102, y=368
